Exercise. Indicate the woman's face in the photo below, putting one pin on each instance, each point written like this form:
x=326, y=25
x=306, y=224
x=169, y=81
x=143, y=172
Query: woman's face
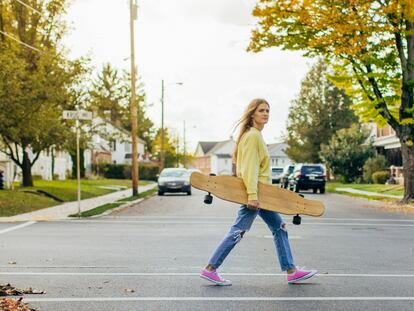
x=261, y=115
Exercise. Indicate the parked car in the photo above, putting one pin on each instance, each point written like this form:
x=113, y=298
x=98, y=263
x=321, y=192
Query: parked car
x=308, y=176
x=174, y=180
x=276, y=172
x=284, y=177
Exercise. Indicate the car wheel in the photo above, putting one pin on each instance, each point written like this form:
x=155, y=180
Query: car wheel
x=322, y=190
x=189, y=192
x=315, y=190
x=160, y=192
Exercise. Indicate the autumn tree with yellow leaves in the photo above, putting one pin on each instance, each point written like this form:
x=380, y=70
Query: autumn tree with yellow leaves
x=371, y=47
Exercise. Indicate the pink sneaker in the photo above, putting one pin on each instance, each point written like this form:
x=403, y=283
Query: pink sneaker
x=300, y=275
x=214, y=277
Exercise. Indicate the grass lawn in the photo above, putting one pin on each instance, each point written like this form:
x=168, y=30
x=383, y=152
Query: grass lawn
x=103, y=208
x=384, y=189
x=15, y=202
x=67, y=189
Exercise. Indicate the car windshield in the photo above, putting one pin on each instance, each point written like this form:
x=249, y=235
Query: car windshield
x=312, y=169
x=174, y=173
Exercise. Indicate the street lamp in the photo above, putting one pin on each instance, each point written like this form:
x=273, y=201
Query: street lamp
x=162, y=162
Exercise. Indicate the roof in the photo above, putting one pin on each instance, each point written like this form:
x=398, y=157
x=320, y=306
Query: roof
x=206, y=146
x=277, y=150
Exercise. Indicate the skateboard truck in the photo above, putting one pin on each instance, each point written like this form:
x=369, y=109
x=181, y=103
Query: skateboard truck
x=208, y=198
x=297, y=219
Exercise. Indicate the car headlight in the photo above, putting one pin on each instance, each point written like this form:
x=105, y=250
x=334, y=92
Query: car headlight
x=161, y=183
x=186, y=183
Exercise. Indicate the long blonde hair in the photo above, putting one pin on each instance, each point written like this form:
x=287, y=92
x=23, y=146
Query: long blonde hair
x=246, y=122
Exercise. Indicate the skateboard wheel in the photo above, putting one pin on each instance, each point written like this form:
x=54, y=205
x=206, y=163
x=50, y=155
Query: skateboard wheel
x=297, y=220
x=208, y=199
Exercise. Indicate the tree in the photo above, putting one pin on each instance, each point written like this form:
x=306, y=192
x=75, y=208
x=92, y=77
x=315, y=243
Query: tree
x=318, y=112
x=111, y=92
x=171, y=144
x=372, y=45
x=347, y=152
x=34, y=80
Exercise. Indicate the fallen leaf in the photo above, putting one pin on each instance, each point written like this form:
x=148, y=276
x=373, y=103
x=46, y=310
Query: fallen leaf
x=130, y=290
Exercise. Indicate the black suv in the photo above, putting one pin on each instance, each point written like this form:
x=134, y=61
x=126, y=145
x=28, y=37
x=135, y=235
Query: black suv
x=308, y=176
x=284, y=177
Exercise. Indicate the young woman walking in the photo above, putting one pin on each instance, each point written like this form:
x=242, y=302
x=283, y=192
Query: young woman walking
x=251, y=163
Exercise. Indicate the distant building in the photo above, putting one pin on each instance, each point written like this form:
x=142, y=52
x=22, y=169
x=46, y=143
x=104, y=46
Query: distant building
x=109, y=144
x=216, y=156
x=387, y=143
x=277, y=154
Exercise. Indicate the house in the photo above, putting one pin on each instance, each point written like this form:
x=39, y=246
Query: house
x=277, y=154
x=215, y=157
x=111, y=143
x=387, y=143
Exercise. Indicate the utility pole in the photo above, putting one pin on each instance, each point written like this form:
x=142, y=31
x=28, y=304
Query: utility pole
x=162, y=128
x=133, y=106
x=184, y=159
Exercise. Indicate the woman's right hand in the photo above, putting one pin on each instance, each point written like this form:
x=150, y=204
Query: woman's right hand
x=253, y=204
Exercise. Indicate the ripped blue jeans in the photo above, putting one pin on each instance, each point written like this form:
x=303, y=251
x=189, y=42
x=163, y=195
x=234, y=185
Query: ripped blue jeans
x=243, y=223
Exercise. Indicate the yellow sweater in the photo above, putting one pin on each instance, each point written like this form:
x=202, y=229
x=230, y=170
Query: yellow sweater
x=253, y=163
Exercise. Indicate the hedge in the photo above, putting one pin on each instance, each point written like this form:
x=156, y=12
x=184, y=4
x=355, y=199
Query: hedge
x=380, y=177
x=123, y=171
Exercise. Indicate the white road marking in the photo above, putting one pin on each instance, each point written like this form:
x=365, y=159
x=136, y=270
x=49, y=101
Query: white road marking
x=307, y=218
x=161, y=222
x=154, y=274
x=17, y=227
x=100, y=299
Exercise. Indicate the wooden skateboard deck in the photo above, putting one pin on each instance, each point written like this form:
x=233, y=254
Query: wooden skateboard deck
x=270, y=197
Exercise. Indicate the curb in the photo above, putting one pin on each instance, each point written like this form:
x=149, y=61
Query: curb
x=121, y=207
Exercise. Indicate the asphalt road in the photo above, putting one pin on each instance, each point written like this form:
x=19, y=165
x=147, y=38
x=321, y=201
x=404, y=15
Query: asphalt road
x=148, y=258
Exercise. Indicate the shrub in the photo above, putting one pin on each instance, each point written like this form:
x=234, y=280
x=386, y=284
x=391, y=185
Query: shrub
x=37, y=177
x=373, y=165
x=123, y=171
x=380, y=177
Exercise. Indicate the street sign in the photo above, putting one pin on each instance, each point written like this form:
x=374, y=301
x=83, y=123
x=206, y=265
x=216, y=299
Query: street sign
x=77, y=115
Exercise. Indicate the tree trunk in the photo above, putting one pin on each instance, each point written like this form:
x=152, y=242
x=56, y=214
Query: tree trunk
x=27, y=170
x=408, y=172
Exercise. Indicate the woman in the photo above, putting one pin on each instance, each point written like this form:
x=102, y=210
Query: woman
x=251, y=162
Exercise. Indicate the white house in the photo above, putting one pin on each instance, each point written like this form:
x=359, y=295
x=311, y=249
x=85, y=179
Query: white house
x=214, y=157
x=110, y=144
x=277, y=154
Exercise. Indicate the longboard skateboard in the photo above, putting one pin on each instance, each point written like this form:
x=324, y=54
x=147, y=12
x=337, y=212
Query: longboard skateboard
x=270, y=197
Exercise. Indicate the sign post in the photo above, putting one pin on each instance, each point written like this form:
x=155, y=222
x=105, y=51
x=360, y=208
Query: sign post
x=77, y=115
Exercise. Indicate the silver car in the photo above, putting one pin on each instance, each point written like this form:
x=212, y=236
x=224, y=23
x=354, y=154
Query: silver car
x=174, y=180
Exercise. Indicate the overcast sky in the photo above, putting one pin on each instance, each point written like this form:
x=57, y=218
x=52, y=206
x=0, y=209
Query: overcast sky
x=201, y=43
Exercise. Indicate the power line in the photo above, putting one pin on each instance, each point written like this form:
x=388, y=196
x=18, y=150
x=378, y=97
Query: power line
x=29, y=7
x=21, y=42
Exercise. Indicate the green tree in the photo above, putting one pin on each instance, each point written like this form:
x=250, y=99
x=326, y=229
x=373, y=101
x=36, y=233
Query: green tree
x=111, y=93
x=34, y=80
x=347, y=152
x=372, y=44
x=318, y=112
x=171, y=144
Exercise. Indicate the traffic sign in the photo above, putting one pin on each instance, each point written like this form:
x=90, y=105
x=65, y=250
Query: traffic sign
x=77, y=115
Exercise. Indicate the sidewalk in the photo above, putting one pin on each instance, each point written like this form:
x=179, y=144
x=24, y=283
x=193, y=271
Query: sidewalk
x=351, y=190
x=62, y=211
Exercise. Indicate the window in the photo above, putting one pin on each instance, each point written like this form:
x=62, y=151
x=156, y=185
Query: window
x=113, y=145
x=127, y=147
